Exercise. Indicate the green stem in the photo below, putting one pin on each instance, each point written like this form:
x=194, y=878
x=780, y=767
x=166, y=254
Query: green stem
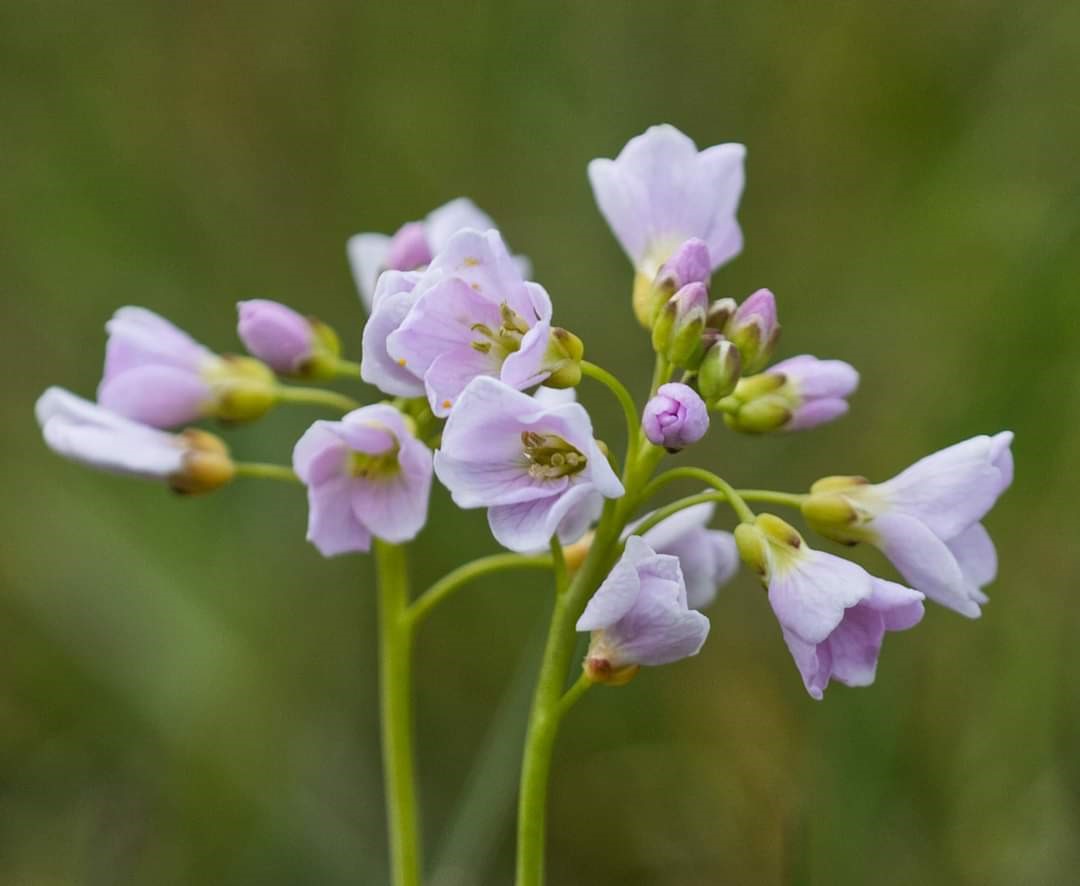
x=633, y=420
x=445, y=586
x=769, y=496
x=265, y=471
x=315, y=397
x=661, y=514
x=395, y=696
x=347, y=369
x=661, y=374
x=571, y=696
x=707, y=477
x=558, y=560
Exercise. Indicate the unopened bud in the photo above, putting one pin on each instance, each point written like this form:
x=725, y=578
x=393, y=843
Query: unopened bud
x=678, y=328
x=649, y=298
x=690, y=264
x=206, y=464
x=833, y=513
x=243, y=388
x=288, y=342
x=720, y=311
x=753, y=547
x=563, y=358
x=759, y=416
x=719, y=371
x=754, y=330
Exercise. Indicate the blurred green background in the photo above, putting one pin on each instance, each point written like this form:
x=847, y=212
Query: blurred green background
x=187, y=688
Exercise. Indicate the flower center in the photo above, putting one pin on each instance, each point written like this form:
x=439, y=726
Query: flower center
x=502, y=341
x=382, y=466
x=550, y=456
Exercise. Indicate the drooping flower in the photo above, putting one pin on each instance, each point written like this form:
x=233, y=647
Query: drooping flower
x=193, y=461
x=469, y=314
x=414, y=245
x=366, y=475
x=158, y=375
x=708, y=557
x=675, y=417
x=793, y=395
x=833, y=613
x=927, y=519
x=531, y=465
x=286, y=341
x=661, y=191
x=639, y=616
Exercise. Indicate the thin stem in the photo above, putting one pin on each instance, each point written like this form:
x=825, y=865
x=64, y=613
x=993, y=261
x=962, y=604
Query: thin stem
x=445, y=586
x=661, y=514
x=633, y=420
x=790, y=499
x=709, y=478
x=661, y=374
x=558, y=560
x=395, y=696
x=265, y=471
x=347, y=369
x=571, y=696
x=315, y=397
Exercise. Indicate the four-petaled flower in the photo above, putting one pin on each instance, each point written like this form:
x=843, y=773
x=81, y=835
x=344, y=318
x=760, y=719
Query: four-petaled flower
x=639, y=616
x=367, y=475
x=414, y=245
x=469, y=314
x=926, y=519
x=661, y=191
x=832, y=612
x=536, y=468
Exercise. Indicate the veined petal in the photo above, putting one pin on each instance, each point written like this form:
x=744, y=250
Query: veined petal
x=616, y=595
x=367, y=259
x=529, y=525
x=975, y=553
x=377, y=367
x=332, y=524
x=809, y=596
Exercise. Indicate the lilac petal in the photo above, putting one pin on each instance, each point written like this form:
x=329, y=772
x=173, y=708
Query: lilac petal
x=451, y=373
x=855, y=645
x=448, y=219
x=1002, y=457
x=925, y=561
x=482, y=262
x=442, y=319
x=617, y=593
x=814, y=413
x=524, y=368
x=160, y=396
x=722, y=171
x=581, y=512
x=275, y=333
x=548, y=397
x=409, y=248
x=87, y=433
x=901, y=607
x=809, y=597
x=475, y=484
x=815, y=378
x=529, y=525
x=332, y=524
x=814, y=662
x=395, y=508
x=708, y=559
x=668, y=532
x=367, y=259
x=139, y=337
x=951, y=489
x=319, y=454
x=975, y=552
x=658, y=630
x=377, y=367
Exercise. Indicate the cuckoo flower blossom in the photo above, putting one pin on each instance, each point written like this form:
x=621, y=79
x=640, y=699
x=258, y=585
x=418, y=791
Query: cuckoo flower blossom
x=675, y=417
x=193, y=461
x=661, y=191
x=414, y=245
x=155, y=373
x=793, y=395
x=639, y=616
x=926, y=519
x=531, y=465
x=469, y=314
x=707, y=556
x=366, y=475
x=833, y=613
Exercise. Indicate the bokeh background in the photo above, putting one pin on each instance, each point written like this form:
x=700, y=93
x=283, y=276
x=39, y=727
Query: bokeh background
x=187, y=690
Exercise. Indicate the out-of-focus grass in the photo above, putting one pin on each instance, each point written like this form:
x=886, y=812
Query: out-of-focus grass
x=187, y=689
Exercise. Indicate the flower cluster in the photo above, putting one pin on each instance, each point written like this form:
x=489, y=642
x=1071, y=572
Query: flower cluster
x=459, y=335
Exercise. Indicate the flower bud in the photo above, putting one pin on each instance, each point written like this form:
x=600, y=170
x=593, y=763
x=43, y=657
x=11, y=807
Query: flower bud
x=564, y=354
x=832, y=513
x=760, y=543
x=769, y=413
x=409, y=248
x=206, y=464
x=719, y=371
x=689, y=264
x=675, y=417
x=243, y=389
x=678, y=329
x=286, y=341
x=754, y=330
x=648, y=299
x=719, y=313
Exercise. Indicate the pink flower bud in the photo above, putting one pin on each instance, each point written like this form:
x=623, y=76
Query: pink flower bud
x=675, y=417
x=276, y=334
